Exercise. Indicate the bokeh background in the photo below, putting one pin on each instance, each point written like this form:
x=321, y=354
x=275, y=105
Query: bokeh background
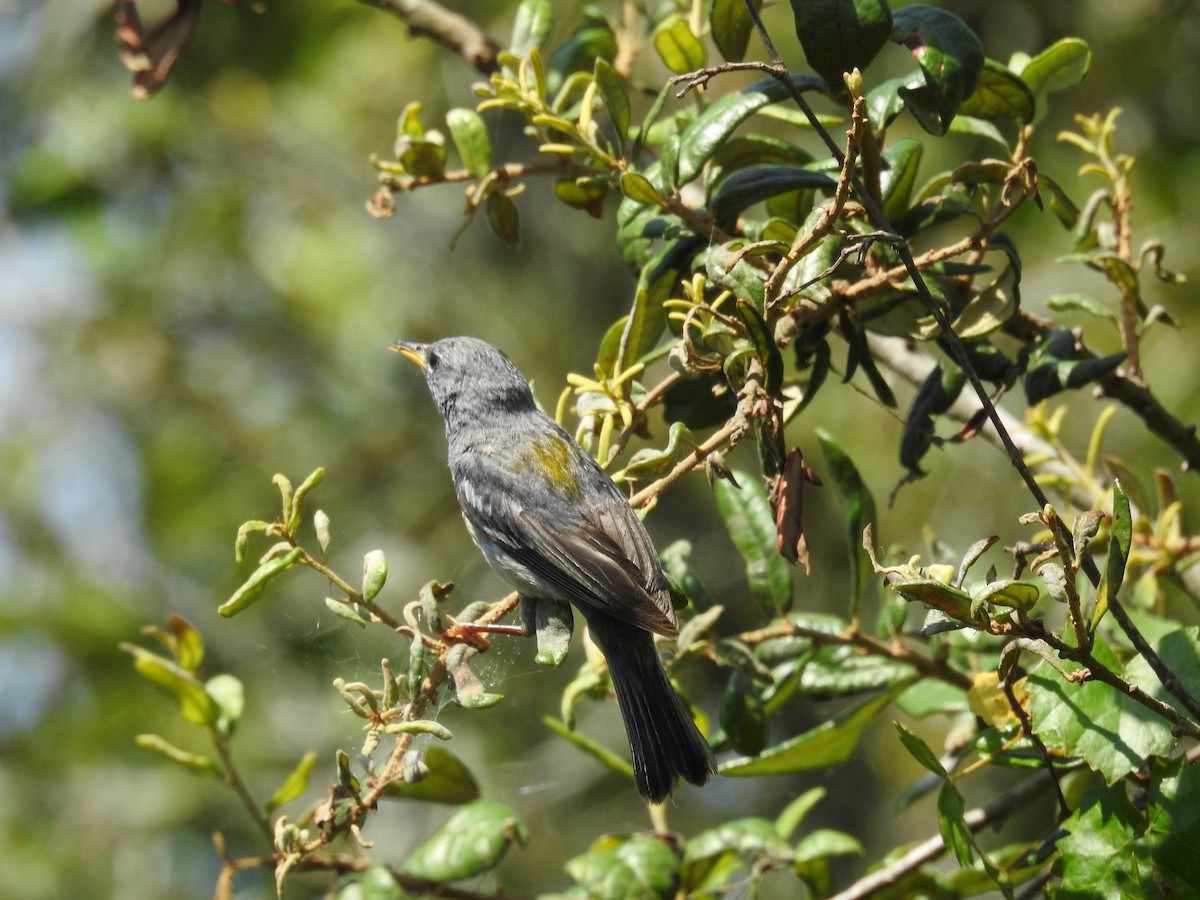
x=193, y=297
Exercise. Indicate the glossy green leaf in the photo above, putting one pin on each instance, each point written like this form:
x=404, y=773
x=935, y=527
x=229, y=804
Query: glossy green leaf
x=643, y=327
x=471, y=842
x=252, y=589
x=294, y=785
x=753, y=184
x=951, y=60
x=741, y=715
x=614, y=97
x=679, y=49
x=858, y=507
x=933, y=593
x=903, y=160
x=642, y=866
x=199, y=765
x=1000, y=94
x=195, y=704
x=593, y=39
x=839, y=36
x=828, y=744
x=701, y=140
x=745, y=280
x=448, y=781
x=751, y=524
x=1110, y=732
x=730, y=25
x=1103, y=854
x=471, y=139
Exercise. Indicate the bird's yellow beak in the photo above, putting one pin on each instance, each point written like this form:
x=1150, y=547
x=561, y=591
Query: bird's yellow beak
x=412, y=352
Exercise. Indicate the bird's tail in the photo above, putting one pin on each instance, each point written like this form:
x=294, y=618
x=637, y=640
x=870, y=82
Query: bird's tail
x=663, y=740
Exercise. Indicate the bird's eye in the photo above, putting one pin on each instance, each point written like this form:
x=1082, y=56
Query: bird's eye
x=431, y=359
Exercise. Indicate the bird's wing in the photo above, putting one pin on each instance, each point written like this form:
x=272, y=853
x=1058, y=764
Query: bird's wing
x=583, y=541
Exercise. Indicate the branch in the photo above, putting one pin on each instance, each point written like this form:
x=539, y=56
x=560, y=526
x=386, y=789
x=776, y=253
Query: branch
x=456, y=32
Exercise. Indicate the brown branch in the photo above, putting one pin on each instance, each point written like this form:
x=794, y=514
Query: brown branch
x=453, y=31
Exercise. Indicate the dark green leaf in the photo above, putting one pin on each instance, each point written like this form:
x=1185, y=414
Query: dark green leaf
x=700, y=402
x=1173, y=829
x=752, y=184
x=616, y=100
x=592, y=40
x=903, y=159
x=1103, y=854
x=741, y=715
x=1000, y=94
x=951, y=59
x=764, y=347
x=743, y=279
x=705, y=136
x=885, y=103
x=471, y=842
x=828, y=744
x=858, y=506
x=950, y=809
x=751, y=524
x=731, y=26
x=839, y=36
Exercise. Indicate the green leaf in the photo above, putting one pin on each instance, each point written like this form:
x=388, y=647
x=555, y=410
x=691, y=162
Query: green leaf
x=1082, y=304
x=616, y=100
x=194, y=701
x=793, y=814
x=764, y=346
x=920, y=751
x=230, y=696
x=187, y=644
x=448, y=781
x=753, y=837
x=1064, y=64
x=1103, y=854
x=903, y=159
x=252, y=589
x=531, y=27
x=751, y=525
x=470, y=136
x=938, y=595
x=955, y=834
x=294, y=785
x=744, y=280
x=858, y=508
x=1110, y=732
x=839, y=36
x=679, y=49
x=741, y=715
x=200, y=765
x=701, y=140
x=374, y=574
x=598, y=752
x=753, y=184
x=471, y=842
x=1179, y=651
x=376, y=883
x=1173, y=829
x=731, y=25
x=643, y=327
x=829, y=744
x=593, y=39
x=951, y=60
x=642, y=866
x=504, y=218
x=1119, y=540
x=1000, y=94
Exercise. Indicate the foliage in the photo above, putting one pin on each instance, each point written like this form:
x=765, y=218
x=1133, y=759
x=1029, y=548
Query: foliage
x=772, y=246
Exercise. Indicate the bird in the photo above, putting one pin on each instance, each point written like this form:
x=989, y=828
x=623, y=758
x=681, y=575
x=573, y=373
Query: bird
x=553, y=525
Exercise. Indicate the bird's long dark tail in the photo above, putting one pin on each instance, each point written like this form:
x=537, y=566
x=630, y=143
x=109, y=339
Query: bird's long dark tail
x=663, y=740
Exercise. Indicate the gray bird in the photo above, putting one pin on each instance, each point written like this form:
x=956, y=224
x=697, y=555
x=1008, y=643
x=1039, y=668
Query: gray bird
x=552, y=524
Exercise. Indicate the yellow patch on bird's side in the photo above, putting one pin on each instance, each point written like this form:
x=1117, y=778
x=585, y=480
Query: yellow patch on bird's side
x=550, y=456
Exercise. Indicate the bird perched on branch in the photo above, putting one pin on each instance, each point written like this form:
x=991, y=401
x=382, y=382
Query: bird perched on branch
x=552, y=524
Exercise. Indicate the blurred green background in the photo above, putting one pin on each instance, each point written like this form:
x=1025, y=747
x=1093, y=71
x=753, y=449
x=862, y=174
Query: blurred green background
x=192, y=298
